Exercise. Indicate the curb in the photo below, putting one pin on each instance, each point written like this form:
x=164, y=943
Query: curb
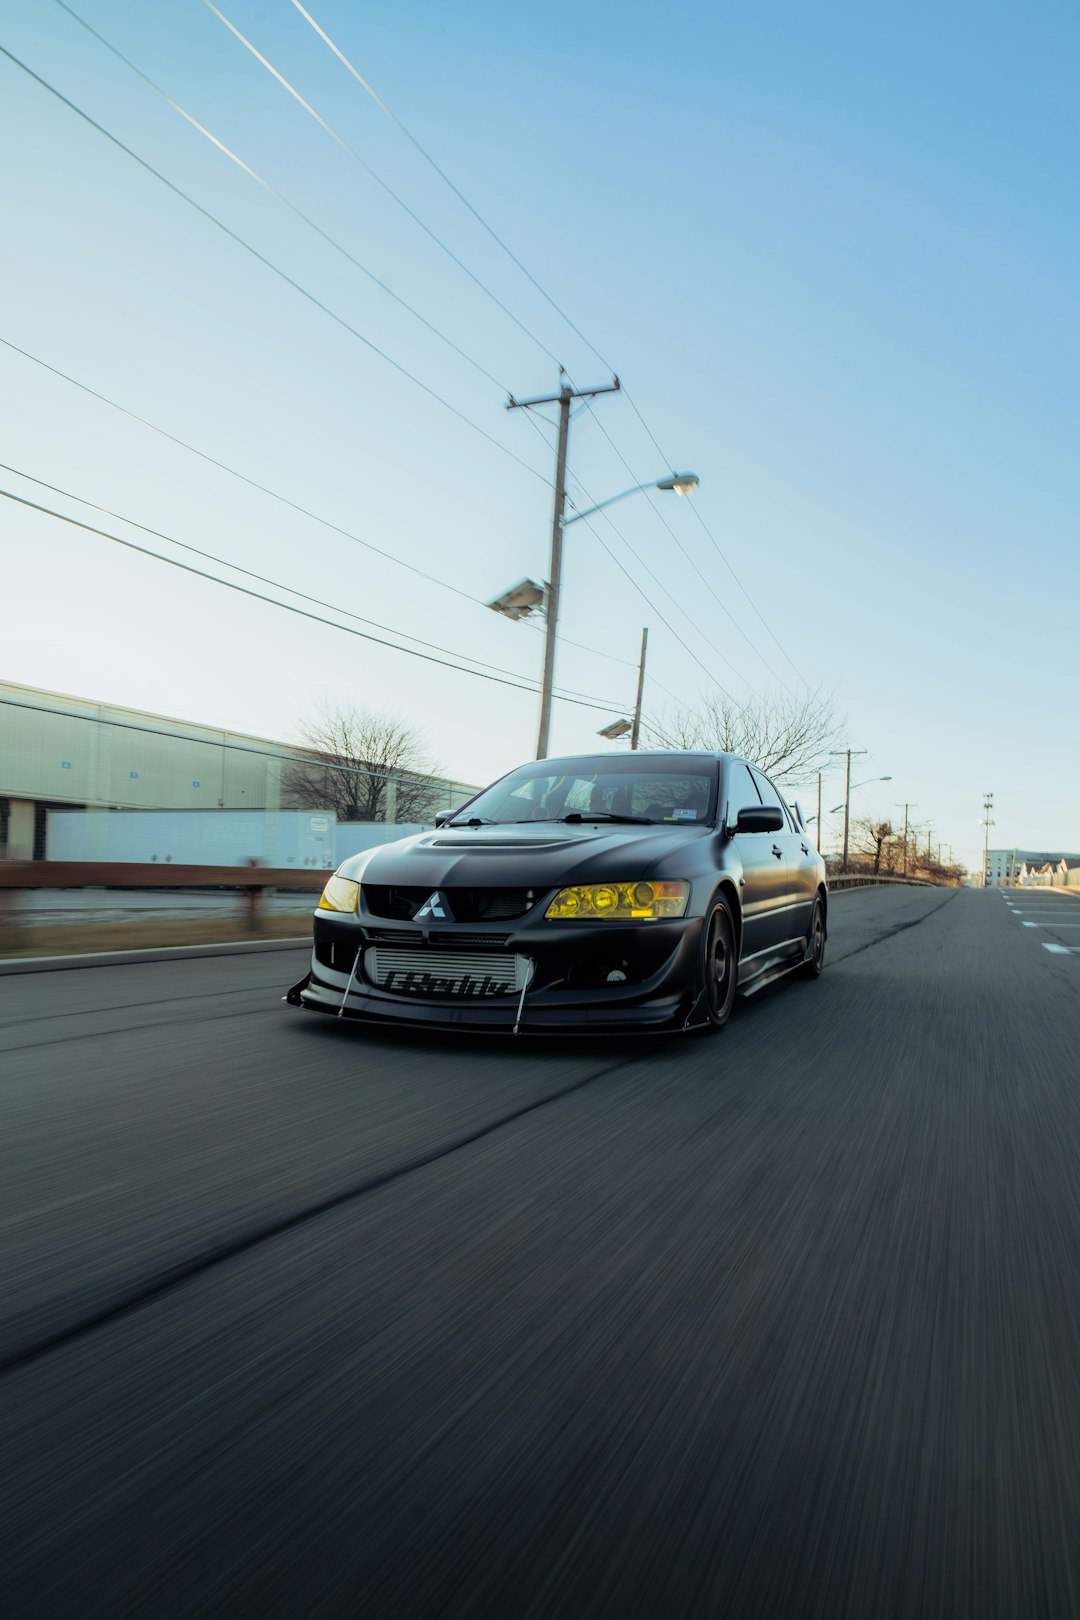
x=161, y=953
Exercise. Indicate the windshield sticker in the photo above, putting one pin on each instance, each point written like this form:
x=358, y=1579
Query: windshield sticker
x=683, y=815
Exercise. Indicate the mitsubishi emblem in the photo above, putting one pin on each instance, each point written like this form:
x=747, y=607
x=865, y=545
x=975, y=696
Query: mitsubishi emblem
x=436, y=905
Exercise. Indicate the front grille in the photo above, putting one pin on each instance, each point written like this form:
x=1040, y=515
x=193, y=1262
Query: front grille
x=467, y=905
x=475, y=975
x=404, y=937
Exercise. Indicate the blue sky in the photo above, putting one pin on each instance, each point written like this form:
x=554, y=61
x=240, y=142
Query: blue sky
x=832, y=251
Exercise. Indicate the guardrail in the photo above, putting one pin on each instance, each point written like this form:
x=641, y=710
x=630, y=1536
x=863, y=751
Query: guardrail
x=251, y=884
x=147, y=875
x=865, y=880
x=251, y=879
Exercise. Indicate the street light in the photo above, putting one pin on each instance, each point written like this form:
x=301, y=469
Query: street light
x=838, y=807
x=523, y=598
x=909, y=804
x=519, y=601
x=680, y=483
x=849, y=789
x=617, y=728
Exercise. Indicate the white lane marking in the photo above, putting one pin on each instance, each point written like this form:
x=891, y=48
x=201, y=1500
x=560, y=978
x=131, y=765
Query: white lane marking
x=1031, y=925
x=1051, y=925
x=1061, y=950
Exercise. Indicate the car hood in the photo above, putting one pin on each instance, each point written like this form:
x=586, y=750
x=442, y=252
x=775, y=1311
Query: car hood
x=542, y=855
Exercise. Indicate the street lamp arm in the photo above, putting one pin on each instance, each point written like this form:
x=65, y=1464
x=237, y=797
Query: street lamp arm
x=681, y=483
x=599, y=507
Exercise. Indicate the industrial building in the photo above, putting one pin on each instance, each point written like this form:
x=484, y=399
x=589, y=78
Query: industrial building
x=1011, y=866
x=65, y=754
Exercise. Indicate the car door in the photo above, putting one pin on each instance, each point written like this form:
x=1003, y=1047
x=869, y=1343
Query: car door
x=793, y=905
x=764, y=873
x=805, y=873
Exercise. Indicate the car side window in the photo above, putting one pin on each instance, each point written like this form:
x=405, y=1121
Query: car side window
x=769, y=795
x=741, y=792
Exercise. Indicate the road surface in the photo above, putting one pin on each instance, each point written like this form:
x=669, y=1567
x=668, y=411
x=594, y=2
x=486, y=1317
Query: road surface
x=301, y=1320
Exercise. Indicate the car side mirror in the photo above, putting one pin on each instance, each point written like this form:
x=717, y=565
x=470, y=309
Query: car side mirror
x=760, y=818
x=443, y=817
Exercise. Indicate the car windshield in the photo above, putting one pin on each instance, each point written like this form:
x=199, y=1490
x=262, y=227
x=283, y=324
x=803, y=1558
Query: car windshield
x=676, y=792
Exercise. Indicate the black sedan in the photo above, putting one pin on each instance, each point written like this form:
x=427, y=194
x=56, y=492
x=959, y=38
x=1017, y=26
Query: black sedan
x=617, y=892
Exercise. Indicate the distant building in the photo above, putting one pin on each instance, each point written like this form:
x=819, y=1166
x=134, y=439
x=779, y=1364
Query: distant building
x=66, y=753
x=1020, y=866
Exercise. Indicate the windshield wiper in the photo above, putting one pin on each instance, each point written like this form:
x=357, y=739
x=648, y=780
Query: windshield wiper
x=577, y=816
x=474, y=821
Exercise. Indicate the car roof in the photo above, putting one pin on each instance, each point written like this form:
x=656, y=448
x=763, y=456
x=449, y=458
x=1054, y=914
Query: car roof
x=647, y=753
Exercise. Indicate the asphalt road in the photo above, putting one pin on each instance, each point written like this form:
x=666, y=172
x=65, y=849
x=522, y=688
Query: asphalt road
x=304, y=1321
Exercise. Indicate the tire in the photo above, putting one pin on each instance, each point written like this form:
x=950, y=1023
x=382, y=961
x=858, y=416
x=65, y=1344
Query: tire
x=815, y=942
x=719, y=966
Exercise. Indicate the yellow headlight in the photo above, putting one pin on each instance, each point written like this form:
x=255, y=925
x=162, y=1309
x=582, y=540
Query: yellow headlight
x=619, y=902
x=339, y=895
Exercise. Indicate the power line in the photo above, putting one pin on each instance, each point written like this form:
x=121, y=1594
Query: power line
x=313, y=225
x=265, y=489
x=718, y=599
x=355, y=155
x=265, y=579
x=648, y=429
x=305, y=293
x=659, y=582
x=713, y=541
x=639, y=559
x=276, y=269
x=369, y=89
x=458, y=193
x=654, y=609
x=716, y=546
x=300, y=753
x=233, y=472
x=525, y=271
x=288, y=607
x=281, y=197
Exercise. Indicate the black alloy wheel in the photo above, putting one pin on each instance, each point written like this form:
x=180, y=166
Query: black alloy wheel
x=815, y=942
x=720, y=966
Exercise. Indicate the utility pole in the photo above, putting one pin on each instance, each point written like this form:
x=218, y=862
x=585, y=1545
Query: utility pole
x=847, y=794
x=988, y=805
x=636, y=729
x=818, y=840
x=909, y=804
x=563, y=399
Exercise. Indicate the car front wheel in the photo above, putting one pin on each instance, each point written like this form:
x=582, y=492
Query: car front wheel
x=720, y=965
x=815, y=943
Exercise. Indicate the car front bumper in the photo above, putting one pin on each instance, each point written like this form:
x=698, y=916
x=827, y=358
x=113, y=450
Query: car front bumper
x=569, y=990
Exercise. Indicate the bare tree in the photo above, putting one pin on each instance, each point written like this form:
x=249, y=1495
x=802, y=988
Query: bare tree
x=872, y=838
x=787, y=736
x=362, y=763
